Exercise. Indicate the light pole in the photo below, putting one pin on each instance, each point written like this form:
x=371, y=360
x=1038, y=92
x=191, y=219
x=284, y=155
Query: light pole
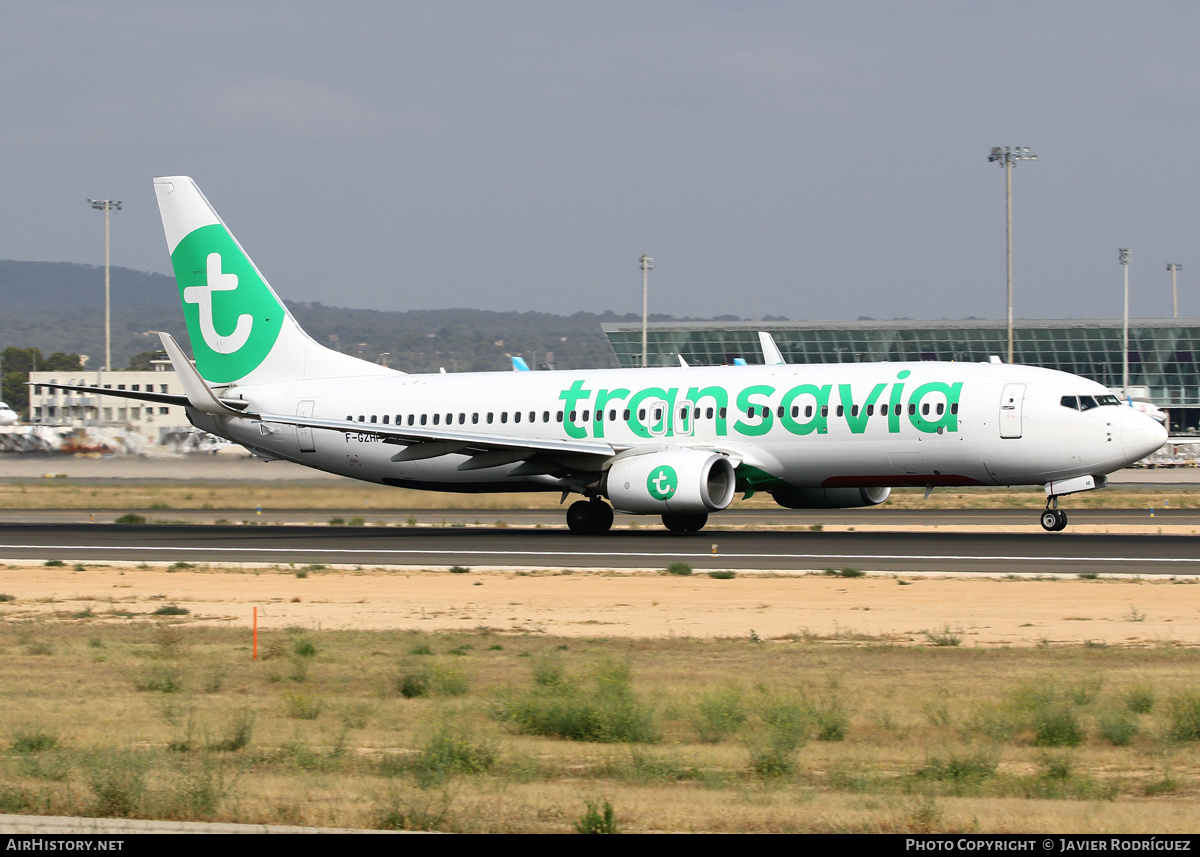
x=1007, y=158
x=1174, y=268
x=106, y=205
x=647, y=264
x=1123, y=256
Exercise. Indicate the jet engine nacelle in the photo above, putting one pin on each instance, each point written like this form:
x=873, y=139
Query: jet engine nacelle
x=830, y=498
x=684, y=480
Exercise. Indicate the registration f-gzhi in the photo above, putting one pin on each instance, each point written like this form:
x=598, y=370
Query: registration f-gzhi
x=675, y=442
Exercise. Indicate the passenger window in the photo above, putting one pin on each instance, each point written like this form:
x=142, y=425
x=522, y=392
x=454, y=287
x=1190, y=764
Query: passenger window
x=385, y=419
x=475, y=418
x=854, y=411
x=750, y=412
x=925, y=409
x=374, y=418
x=586, y=414
x=883, y=410
x=870, y=410
x=489, y=418
x=545, y=416
x=612, y=415
x=954, y=407
x=361, y=418
x=558, y=416
x=516, y=416
x=410, y=419
x=349, y=418
x=780, y=413
x=424, y=417
x=840, y=410
x=504, y=416
x=599, y=416
x=437, y=418
x=641, y=413
x=697, y=415
x=940, y=408
x=708, y=413
x=626, y=417
x=912, y=409
x=723, y=412
x=462, y=418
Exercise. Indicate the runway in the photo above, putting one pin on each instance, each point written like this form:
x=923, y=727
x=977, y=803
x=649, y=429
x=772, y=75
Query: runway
x=525, y=547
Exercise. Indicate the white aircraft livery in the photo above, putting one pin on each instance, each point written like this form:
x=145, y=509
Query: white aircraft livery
x=675, y=442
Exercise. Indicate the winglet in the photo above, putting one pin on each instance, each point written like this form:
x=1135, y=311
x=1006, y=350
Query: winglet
x=771, y=353
x=198, y=393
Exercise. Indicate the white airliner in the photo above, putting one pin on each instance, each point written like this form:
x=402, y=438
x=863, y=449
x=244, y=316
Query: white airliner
x=8, y=417
x=676, y=442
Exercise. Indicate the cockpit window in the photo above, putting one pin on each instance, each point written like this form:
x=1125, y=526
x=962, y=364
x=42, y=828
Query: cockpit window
x=1086, y=403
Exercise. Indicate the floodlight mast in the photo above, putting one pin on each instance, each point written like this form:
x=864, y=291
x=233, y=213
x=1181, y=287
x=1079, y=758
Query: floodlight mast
x=1007, y=158
x=1174, y=268
x=647, y=265
x=1123, y=256
x=106, y=205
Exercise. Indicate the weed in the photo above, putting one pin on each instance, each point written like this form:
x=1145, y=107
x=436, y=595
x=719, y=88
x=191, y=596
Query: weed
x=198, y=789
x=159, y=678
x=171, y=610
x=1139, y=699
x=303, y=648
x=130, y=518
x=423, y=810
x=1057, y=725
x=299, y=705
x=1088, y=575
x=4, y=598
x=358, y=522
x=784, y=726
x=411, y=680
x=961, y=769
x=1183, y=717
x=1085, y=690
x=723, y=575
x=302, y=573
x=451, y=750
x=719, y=713
x=239, y=729
x=458, y=569
x=1118, y=727
x=118, y=782
x=54, y=563
x=180, y=566
x=32, y=739
x=597, y=818
x=337, y=522
x=946, y=636
x=815, y=528
x=1134, y=615
x=680, y=569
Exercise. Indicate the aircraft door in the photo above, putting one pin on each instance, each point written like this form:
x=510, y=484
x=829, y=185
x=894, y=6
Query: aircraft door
x=1011, y=401
x=655, y=414
x=304, y=434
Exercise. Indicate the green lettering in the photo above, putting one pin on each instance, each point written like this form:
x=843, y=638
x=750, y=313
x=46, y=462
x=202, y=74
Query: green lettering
x=744, y=403
x=817, y=422
x=603, y=397
x=930, y=423
x=570, y=399
x=897, y=403
x=858, y=424
x=720, y=398
x=668, y=396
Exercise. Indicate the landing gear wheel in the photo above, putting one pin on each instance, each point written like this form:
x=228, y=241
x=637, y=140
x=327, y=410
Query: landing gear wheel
x=589, y=517
x=682, y=522
x=1054, y=520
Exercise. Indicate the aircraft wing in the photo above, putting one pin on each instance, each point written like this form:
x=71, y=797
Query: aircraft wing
x=425, y=442
x=140, y=395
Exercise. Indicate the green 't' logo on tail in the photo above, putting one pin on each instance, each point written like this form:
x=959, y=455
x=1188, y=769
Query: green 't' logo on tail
x=233, y=319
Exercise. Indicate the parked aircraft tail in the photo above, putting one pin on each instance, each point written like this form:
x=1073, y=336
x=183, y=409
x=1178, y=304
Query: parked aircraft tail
x=240, y=330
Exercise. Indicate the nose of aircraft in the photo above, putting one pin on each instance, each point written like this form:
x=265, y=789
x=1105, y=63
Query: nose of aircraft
x=1140, y=435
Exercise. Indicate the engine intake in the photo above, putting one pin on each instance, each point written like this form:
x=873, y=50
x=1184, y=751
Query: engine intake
x=684, y=480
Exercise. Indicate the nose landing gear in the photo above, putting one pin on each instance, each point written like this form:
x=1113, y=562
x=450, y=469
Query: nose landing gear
x=1053, y=520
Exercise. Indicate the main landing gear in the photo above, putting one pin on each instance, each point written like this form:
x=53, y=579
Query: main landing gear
x=1053, y=520
x=589, y=517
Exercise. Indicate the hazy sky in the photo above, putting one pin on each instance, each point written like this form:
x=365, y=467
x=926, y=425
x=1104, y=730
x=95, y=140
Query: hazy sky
x=806, y=159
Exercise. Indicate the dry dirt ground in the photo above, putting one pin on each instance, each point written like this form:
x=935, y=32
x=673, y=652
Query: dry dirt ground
x=979, y=611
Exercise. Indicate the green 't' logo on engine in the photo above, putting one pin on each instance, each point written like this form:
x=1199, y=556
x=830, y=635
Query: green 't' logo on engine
x=662, y=482
x=233, y=319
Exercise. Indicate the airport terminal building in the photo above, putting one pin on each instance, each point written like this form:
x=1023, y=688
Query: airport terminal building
x=1163, y=353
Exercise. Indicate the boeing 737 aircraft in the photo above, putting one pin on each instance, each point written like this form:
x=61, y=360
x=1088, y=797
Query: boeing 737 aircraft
x=675, y=442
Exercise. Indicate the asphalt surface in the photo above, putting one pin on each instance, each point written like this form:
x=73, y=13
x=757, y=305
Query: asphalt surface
x=524, y=547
